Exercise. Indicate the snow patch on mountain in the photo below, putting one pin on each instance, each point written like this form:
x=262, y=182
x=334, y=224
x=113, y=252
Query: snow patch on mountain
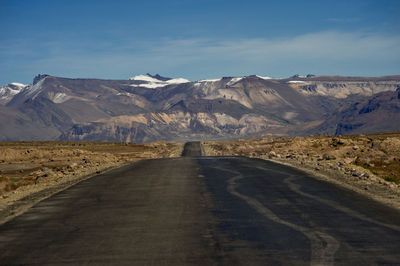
x=146, y=78
x=10, y=89
x=59, y=97
x=296, y=81
x=7, y=92
x=263, y=77
x=209, y=80
x=234, y=80
x=149, y=85
x=177, y=81
x=32, y=89
x=19, y=85
x=151, y=82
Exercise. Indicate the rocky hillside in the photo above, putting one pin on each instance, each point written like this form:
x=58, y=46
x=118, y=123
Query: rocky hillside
x=378, y=113
x=146, y=108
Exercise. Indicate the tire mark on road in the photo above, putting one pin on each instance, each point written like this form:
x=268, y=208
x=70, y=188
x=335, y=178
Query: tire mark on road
x=297, y=188
x=323, y=245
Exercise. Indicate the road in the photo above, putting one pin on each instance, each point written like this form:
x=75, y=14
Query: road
x=203, y=211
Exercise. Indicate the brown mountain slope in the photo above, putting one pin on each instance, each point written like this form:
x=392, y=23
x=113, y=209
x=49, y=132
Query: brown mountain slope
x=138, y=110
x=379, y=113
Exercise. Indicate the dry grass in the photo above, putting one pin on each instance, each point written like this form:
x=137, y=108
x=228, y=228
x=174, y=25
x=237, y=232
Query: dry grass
x=30, y=166
x=373, y=154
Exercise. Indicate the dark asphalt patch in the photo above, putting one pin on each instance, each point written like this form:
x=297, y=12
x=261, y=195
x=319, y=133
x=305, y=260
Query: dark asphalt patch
x=203, y=211
x=290, y=217
x=192, y=149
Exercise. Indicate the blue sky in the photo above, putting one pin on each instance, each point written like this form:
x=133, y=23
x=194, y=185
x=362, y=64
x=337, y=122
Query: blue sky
x=198, y=39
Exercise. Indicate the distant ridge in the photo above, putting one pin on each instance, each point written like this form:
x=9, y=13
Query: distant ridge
x=152, y=107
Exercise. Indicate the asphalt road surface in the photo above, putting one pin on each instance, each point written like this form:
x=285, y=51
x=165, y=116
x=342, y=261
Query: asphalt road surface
x=192, y=149
x=203, y=211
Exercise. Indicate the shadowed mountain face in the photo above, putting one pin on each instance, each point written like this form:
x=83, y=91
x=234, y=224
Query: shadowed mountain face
x=146, y=108
x=378, y=113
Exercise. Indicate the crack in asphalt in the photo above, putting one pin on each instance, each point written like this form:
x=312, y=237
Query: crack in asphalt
x=323, y=245
x=297, y=189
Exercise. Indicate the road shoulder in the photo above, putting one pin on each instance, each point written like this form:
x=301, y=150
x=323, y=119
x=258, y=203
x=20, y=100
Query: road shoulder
x=372, y=187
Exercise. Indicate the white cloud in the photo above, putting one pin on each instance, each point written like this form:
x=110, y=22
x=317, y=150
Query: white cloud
x=327, y=52
x=323, y=45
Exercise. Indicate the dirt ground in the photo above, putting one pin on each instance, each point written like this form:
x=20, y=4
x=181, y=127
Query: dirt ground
x=368, y=164
x=30, y=171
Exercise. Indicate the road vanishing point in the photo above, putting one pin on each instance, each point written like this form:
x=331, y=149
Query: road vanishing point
x=196, y=210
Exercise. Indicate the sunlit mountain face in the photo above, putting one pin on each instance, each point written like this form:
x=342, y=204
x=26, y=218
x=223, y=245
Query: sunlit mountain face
x=151, y=107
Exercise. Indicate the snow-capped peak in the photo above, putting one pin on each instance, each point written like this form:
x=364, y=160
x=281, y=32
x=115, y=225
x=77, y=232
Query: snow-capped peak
x=12, y=88
x=19, y=85
x=296, y=81
x=149, y=81
x=234, y=80
x=7, y=92
x=209, y=80
x=146, y=78
x=177, y=81
x=263, y=77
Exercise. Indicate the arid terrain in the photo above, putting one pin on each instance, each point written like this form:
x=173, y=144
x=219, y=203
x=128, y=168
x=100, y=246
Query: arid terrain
x=33, y=170
x=368, y=164
x=229, y=210
x=148, y=108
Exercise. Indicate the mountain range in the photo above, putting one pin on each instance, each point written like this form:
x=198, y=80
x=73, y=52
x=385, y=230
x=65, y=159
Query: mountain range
x=151, y=107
